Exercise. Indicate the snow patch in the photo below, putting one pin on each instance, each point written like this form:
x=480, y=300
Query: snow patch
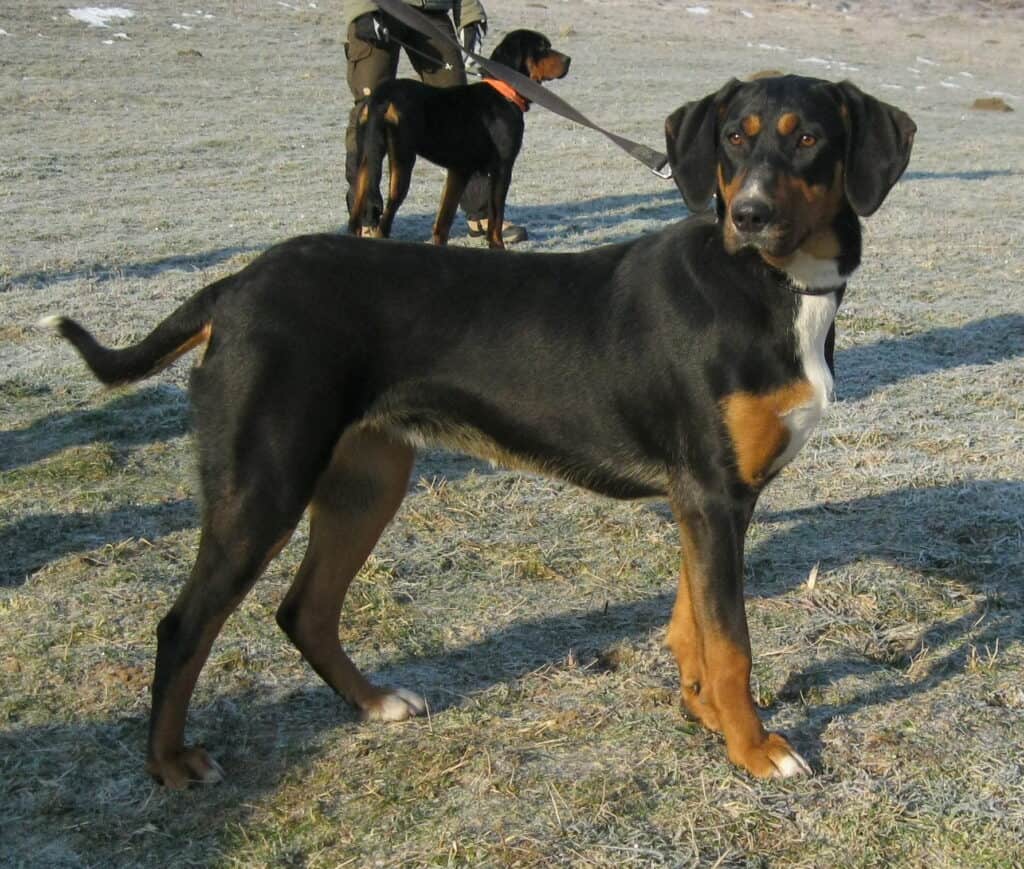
x=100, y=16
x=829, y=63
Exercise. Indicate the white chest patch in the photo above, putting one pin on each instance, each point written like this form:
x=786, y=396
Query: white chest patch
x=810, y=273
x=813, y=319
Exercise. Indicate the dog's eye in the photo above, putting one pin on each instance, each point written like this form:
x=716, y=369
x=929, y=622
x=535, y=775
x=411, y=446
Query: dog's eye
x=808, y=141
x=735, y=138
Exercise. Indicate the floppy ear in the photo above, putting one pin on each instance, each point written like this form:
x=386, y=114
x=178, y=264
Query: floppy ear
x=691, y=136
x=510, y=51
x=878, y=143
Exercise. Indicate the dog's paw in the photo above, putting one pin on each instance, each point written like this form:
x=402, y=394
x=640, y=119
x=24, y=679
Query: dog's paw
x=774, y=757
x=189, y=766
x=396, y=705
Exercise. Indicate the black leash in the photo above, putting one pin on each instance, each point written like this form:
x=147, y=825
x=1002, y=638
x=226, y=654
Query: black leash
x=531, y=90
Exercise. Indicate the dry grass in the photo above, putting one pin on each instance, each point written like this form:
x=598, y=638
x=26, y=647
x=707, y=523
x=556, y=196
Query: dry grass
x=530, y=614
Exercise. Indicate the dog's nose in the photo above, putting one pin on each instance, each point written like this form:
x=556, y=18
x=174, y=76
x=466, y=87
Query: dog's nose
x=752, y=214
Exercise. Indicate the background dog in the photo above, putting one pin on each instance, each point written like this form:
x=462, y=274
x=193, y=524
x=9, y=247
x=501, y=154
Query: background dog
x=468, y=129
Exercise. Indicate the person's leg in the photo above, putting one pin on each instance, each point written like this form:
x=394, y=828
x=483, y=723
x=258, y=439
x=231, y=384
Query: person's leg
x=367, y=66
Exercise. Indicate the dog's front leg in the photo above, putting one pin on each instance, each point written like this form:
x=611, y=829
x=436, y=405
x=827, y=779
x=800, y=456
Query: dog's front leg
x=454, y=185
x=500, y=180
x=708, y=635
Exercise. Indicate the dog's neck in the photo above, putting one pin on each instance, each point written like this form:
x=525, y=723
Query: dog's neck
x=509, y=93
x=809, y=274
x=822, y=264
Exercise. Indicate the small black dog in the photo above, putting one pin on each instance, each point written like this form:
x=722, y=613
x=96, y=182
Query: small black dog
x=467, y=129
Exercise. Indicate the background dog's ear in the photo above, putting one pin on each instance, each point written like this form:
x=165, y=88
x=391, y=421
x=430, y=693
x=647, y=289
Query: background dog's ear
x=691, y=137
x=878, y=143
x=511, y=51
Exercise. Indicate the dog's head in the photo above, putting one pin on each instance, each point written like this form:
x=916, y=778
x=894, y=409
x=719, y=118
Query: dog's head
x=786, y=155
x=530, y=53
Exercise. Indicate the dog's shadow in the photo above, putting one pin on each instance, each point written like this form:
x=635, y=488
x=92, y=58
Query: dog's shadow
x=132, y=418
x=606, y=219
x=866, y=368
x=99, y=273
x=452, y=677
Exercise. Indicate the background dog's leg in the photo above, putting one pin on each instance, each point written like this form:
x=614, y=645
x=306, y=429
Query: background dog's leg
x=355, y=499
x=400, y=166
x=454, y=185
x=501, y=178
x=362, y=190
x=712, y=534
x=238, y=539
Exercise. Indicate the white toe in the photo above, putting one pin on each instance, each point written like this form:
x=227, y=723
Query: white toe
x=214, y=775
x=792, y=765
x=397, y=705
x=416, y=703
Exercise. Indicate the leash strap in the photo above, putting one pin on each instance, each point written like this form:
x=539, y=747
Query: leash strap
x=534, y=92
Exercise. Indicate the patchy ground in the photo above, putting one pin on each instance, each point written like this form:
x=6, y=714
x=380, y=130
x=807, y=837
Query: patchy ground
x=143, y=159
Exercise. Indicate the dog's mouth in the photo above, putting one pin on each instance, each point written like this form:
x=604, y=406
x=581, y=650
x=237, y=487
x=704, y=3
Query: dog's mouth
x=777, y=240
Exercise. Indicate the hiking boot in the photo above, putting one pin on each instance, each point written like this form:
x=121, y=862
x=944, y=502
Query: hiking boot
x=511, y=233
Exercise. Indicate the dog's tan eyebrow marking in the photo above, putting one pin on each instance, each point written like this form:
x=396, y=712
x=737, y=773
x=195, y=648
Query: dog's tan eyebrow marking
x=788, y=123
x=751, y=125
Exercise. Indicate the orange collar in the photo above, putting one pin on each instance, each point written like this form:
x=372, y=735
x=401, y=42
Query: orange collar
x=509, y=93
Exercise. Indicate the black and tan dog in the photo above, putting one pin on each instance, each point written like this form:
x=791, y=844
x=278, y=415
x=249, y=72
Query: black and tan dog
x=468, y=129
x=690, y=365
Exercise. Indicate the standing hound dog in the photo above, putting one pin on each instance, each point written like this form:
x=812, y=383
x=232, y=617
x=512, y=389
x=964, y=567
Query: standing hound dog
x=467, y=129
x=690, y=364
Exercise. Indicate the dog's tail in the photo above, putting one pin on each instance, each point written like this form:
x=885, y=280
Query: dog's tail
x=188, y=327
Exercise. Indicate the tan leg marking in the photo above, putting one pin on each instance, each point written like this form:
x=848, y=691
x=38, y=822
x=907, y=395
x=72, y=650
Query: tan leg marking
x=685, y=641
x=723, y=701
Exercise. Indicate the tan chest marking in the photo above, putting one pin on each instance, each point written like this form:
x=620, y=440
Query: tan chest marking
x=758, y=429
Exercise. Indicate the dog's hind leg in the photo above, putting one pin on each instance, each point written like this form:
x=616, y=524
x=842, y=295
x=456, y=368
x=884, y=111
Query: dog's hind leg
x=264, y=437
x=354, y=501
x=239, y=538
x=401, y=162
x=454, y=185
